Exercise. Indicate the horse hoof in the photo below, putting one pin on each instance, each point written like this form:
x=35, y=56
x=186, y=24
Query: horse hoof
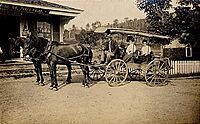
x=41, y=84
x=68, y=82
x=87, y=86
x=36, y=83
x=55, y=88
x=42, y=81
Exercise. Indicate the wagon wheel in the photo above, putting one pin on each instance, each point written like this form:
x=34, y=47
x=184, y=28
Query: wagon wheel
x=96, y=72
x=156, y=73
x=136, y=74
x=116, y=72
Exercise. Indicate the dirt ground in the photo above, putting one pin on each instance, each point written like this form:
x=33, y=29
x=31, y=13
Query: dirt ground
x=22, y=102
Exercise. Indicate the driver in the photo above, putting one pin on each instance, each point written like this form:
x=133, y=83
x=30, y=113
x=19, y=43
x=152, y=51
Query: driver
x=110, y=49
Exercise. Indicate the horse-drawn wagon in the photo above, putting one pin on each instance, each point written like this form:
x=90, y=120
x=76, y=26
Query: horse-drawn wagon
x=155, y=72
x=115, y=72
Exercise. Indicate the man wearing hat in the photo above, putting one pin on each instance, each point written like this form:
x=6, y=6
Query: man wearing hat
x=110, y=49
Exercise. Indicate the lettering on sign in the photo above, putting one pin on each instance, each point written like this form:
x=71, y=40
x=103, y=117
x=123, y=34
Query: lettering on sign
x=23, y=9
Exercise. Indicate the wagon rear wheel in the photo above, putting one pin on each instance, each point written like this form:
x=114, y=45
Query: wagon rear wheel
x=156, y=73
x=96, y=72
x=116, y=72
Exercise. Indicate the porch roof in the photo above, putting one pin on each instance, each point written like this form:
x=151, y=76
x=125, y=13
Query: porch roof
x=54, y=9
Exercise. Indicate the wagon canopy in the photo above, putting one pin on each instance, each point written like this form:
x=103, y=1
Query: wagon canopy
x=128, y=32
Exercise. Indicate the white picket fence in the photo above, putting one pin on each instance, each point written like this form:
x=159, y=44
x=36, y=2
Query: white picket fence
x=184, y=67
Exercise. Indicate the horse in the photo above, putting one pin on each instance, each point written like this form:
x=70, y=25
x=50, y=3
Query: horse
x=57, y=53
x=35, y=55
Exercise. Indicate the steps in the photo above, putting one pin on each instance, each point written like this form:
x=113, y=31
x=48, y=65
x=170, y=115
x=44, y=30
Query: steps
x=20, y=69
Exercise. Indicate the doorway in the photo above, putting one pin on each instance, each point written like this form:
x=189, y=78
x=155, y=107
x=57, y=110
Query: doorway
x=9, y=28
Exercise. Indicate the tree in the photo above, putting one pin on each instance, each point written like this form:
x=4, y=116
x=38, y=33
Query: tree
x=87, y=28
x=115, y=23
x=182, y=23
x=95, y=25
x=157, y=14
x=188, y=20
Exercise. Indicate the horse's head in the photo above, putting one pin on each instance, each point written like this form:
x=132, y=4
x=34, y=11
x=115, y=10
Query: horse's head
x=35, y=46
x=16, y=43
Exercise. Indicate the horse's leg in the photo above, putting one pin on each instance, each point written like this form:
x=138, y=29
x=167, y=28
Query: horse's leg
x=36, y=71
x=54, y=77
x=69, y=77
x=87, y=78
x=51, y=74
x=40, y=73
x=85, y=71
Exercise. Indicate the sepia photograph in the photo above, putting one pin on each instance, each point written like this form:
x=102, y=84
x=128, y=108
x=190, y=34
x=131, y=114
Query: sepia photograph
x=99, y=61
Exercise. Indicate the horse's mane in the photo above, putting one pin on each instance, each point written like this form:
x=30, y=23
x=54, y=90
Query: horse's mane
x=38, y=42
x=70, y=41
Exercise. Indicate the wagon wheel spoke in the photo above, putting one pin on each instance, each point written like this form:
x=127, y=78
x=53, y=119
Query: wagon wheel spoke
x=162, y=65
x=150, y=77
x=120, y=78
x=156, y=81
x=153, y=78
x=162, y=74
x=96, y=73
x=92, y=72
x=122, y=65
x=109, y=76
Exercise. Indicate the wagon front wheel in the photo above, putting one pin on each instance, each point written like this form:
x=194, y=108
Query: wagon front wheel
x=116, y=73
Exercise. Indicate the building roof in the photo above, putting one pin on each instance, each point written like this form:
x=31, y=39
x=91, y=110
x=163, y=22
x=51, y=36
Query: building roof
x=42, y=3
x=52, y=8
x=175, y=44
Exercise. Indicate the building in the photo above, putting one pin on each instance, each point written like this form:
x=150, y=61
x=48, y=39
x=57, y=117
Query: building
x=42, y=18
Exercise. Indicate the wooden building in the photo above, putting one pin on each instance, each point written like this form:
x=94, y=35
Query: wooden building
x=40, y=17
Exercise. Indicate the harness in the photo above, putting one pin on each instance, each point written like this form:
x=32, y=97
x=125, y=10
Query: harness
x=85, y=52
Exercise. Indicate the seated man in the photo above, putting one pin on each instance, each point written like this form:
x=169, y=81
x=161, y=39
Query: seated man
x=110, y=49
x=130, y=50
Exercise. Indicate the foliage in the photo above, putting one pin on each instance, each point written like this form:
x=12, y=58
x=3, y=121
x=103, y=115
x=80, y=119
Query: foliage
x=157, y=15
x=184, y=22
x=88, y=37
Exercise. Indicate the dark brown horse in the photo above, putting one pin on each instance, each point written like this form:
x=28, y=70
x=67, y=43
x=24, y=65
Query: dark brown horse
x=56, y=53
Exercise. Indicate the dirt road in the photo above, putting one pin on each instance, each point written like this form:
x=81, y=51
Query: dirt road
x=22, y=102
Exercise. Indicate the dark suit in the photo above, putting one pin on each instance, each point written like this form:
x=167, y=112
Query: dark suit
x=110, y=51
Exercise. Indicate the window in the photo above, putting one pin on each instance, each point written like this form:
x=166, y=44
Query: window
x=44, y=30
x=188, y=51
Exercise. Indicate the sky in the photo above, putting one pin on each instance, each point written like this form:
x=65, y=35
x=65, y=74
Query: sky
x=104, y=11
